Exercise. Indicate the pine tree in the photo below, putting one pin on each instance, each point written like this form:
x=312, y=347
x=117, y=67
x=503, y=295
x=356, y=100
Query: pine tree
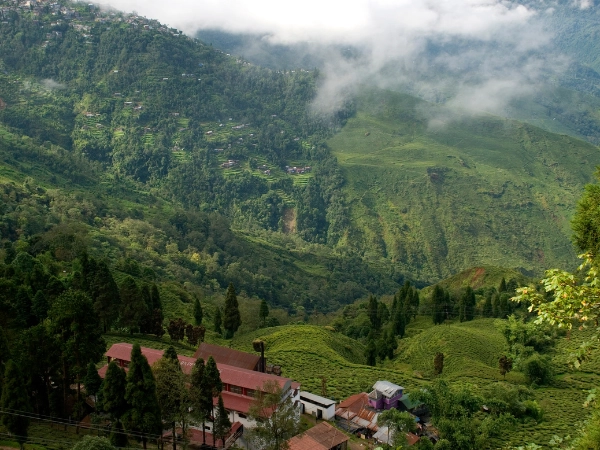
x=118, y=436
x=487, y=306
x=495, y=304
x=92, y=380
x=79, y=333
x=4, y=356
x=14, y=398
x=438, y=304
x=200, y=394
x=382, y=350
x=171, y=392
x=113, y=392
x=383, y=313
x=171, y=354
x=263, y=312
x=232, y=318
x=105, y=295
x=213, y=379
x=392, y=344
x=371, y=351
x=132, y=308
x=198, y=314
x=470, y=302
x=372, y=311
x=415, y=302
x=143, y=416
x=217, y=321
x=399, y=323
x=222, y=422
x=502, y=287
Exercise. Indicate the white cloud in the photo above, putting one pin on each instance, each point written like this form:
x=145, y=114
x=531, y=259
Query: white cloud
x=480, y=53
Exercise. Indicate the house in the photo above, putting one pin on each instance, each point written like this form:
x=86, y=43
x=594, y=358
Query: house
x=385, y=395
x=385, y=436
x=320, y=437
x=356, y=415
x=229, y=356
x=320, y=407
x=239, y=384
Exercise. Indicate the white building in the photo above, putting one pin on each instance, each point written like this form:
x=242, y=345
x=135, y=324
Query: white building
x=320, y=407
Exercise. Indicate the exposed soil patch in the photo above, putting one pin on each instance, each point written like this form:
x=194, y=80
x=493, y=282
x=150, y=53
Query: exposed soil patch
x=289, y=220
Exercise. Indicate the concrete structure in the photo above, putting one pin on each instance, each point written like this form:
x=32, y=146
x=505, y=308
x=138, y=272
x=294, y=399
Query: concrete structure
x=320, y=407
x=385, y=395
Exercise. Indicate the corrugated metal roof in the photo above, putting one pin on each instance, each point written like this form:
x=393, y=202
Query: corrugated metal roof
x=316, y=398
x=320, y=437
x=229, y=356
x=387, y=388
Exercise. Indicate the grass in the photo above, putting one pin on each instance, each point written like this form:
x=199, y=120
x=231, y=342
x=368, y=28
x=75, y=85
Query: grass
x=418, y=192
x=310, y=353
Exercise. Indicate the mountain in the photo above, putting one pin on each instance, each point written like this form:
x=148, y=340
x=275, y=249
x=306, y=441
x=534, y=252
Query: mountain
x=207, y=160
x=438, y=194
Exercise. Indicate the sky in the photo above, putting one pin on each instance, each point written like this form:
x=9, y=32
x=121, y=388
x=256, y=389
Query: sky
x=484, y=53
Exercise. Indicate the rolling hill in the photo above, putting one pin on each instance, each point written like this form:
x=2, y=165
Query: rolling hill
x=436, y=195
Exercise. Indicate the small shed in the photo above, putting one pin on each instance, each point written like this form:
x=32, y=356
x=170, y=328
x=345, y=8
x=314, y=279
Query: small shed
x=320, y=407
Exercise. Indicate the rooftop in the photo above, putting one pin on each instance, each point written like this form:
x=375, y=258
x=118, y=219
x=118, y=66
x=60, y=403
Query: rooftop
x=387, y=388
x=320, y=437
x=229, y=356
x=316, y=399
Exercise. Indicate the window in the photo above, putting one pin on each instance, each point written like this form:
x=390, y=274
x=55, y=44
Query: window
x=241, y=416
x=250, y=392
x=235, y=389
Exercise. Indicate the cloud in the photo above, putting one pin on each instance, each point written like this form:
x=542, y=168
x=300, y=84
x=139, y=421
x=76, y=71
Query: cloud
x=50, y=84
x=478, y=54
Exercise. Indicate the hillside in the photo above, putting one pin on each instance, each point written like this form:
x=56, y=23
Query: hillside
x=308, y=353
x=437, y=195
x=130, y=159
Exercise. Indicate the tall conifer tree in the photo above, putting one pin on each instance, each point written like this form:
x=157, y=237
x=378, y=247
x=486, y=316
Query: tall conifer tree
x=143, y=416
x=232, y=318
x=14, y=399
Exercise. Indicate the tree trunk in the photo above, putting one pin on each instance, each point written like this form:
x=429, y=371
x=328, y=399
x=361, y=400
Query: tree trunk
x=144, y=442
x=174, y=437
x=203, y=432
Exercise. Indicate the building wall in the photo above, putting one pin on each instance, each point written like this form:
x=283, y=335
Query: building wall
x=327, y=413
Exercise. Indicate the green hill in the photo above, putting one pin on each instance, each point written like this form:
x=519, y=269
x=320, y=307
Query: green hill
x=436, y=195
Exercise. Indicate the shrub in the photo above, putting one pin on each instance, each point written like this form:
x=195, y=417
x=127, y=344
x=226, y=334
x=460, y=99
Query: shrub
x=537, y=369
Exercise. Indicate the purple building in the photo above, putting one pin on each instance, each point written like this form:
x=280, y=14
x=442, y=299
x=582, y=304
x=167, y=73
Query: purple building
x=385, y=395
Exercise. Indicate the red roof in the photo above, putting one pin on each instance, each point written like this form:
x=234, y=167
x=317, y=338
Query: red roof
x=122, y=351
x=236, y=376
x=320, y=437
x=249, y=378
x=229, y=356
x=234, y=402
x=411, y=439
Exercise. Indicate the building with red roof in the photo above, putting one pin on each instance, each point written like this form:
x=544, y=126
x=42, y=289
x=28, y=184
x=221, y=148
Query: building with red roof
x=229, y=356
x=239, y=384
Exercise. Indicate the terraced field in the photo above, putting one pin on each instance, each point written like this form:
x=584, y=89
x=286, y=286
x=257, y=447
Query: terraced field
x=419, y=188
x=308, y=353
